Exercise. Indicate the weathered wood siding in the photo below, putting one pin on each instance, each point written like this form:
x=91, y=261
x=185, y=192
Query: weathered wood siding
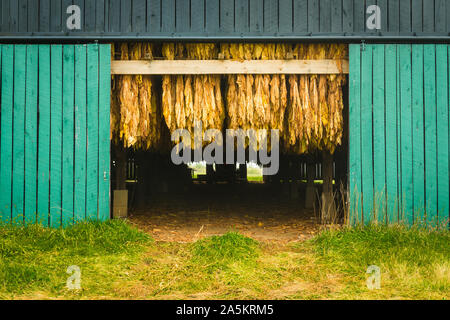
x=399, y=133
x=238, y=19
x=54, y=133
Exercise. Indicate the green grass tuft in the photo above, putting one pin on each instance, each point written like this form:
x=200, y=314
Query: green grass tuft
x=222, y=251
x=33, y=256
x=413, y=257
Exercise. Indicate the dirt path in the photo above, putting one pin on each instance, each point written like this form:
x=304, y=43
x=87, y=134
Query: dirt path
x=254, y=213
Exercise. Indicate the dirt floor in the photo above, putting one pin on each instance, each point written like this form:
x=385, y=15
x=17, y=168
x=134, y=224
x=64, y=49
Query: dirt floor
x=254, y=209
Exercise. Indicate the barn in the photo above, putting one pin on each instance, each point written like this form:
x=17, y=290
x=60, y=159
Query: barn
x=92, y=92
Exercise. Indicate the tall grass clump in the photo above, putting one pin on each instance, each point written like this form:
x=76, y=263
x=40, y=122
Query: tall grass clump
x=36, y=257
x=222, y=251
x=411, y=259
x=87, y=238
x=365, y=245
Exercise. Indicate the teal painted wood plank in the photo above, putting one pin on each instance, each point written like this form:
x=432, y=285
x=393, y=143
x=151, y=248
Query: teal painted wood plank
x=430, y=132
x=43, y=179
x=399, y=142
x=92, y=133
x=406, y=134
x=18, y=185
x=56, y=135
x=442, y=105
x=31, y=134
x=391, y=133
x=418, y=133
x=104, y=131
x=355, y=134
x=366, y=134
x=448, y=47
x=80, y=133
x=379, y=139
x=6, y=132
x=68, y=135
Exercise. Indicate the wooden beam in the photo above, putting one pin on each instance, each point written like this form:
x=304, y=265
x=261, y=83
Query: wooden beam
x=169, y=67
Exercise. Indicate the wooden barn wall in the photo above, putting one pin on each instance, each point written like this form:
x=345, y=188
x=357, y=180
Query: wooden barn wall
x=54, y=133
x=399, y=133
x=199, y=19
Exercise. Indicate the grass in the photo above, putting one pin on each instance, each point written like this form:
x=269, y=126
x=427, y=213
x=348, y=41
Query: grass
x=35, y=259
x=118, y=261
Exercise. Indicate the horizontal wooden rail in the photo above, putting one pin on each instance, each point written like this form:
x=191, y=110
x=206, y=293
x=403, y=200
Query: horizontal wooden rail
x=168, y=67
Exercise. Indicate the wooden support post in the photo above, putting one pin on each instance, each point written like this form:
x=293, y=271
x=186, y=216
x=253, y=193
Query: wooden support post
x=294, y=172
x=328, y=208
x=209, y=173
x=310, y=189
x=121, y=166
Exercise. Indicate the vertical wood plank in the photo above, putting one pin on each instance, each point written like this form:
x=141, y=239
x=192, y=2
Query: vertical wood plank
x=418, y=133
x=89, y=16
x=6, y=142
x=336, y=16
x=355, y=133
x=271, y=16
x=359, y=10
x=55, y=15
x=125, y=16
x=92, y=133
x=347, y=15
x=241, y=16
x=300, y=16
x=139, y=14
x=394, y=15
x=104, y=132
x=440, y=15
x=379, y=138
x=31, y=134
x=383, y=4
x=80, y=134
x=154, y=15
x=13, y=16
x=33, y=17
x=430, y=132
x=416, y=15
x=68, y=135
x=5, y=16
x=366, y=134
x=391, y=133
x=168, y=15
x=442, y=132
x=100, y=16
x=44, y=16
x=313, y=16
x=197, y=17
x=406, y=134
x=405, y=16
x=212, y=16
x=256, y=15
x=22, y=15
x=43, y=179
x=325, y=16
x=227, y=16
x=182, y=16
x=285, y=16
x=114, y=15
x=428, y=16
x=56, y=135
x=19, y=134
x=399, y=142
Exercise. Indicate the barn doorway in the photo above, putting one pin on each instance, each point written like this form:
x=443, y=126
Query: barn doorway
x=188, y=201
